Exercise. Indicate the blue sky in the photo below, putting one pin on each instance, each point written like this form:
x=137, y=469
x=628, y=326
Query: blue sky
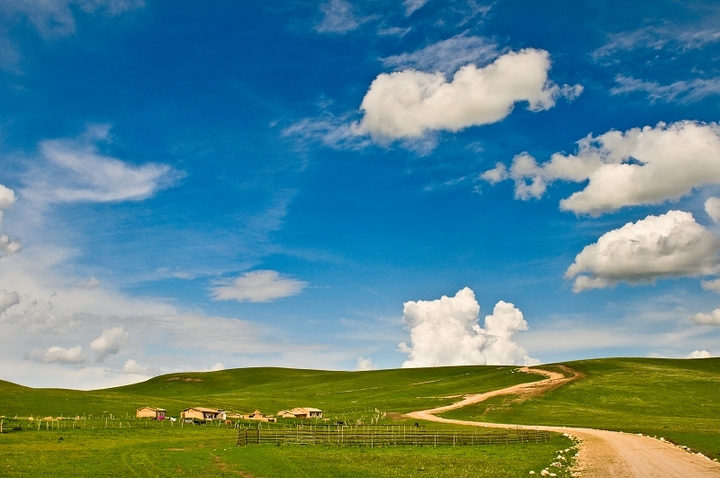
x=352, y=185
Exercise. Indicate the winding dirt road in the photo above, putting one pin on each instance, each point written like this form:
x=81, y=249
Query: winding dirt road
x=602, y=453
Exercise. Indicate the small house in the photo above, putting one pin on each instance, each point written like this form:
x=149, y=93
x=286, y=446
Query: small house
x=259, y=416
x=301, y=413
x=202, y=413
x=150, y=412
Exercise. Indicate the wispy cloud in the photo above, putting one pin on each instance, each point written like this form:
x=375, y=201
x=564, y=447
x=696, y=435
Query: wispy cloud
x=57, y=18
x=686, y=91
x=657, y=38
x=339, y=17
x=75, y=170
x=413, y=5
x=447, y=56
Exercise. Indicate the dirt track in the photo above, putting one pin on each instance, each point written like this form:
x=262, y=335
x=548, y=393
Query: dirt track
x=602, y=453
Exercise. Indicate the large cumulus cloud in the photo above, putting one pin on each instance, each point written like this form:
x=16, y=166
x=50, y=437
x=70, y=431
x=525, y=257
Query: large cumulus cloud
x=641, y=166
x=668, y=245
x=409, y=103
x=446, y=332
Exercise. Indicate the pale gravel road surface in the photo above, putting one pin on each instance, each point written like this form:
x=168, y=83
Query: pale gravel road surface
x=603, y=453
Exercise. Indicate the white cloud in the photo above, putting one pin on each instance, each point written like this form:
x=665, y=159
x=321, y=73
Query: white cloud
x=394, y=31
x=446, y=56
x=8, y=246
x=8, y=299
x=7, y=198
x=89, y=284
x=446, y=332
x=79, y=172
x=259, y=286
x=713, y=318
x=657, y=38
x=699, y=354
x=56, y=18
x=332, y=131
x=217, y=367
x=73, y=355
x=108, y=343
x=641, y=166
x=131, y=366
x=408, y=104
x=365, y=364
x=413, y=5
x=338, y=17
x=713, y=285
x=669, y=245
x=495, y=175
x=712, y=208
x=683, y=91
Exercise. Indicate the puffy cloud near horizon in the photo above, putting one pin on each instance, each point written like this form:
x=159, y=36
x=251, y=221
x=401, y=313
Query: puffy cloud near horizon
x=712, y=208
x=446, y=332
x=8, y=299
x=365, y=364
x=108, y=343
x=79, y=172
x=73, y=355
x=8, y=246
x=713, y=318
x=641, y=166
x=132, y=366
x=698, y=354
x=258, y=286
x=408, y=104
x=669, y=245
x=89, y=284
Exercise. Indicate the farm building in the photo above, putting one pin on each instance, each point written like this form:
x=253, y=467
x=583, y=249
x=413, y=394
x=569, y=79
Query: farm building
x=259, y=416
x=202, y=413
x=150, y=412
x=301, y=413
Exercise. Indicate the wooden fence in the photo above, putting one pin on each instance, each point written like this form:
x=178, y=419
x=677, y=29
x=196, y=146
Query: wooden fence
x=387, y=436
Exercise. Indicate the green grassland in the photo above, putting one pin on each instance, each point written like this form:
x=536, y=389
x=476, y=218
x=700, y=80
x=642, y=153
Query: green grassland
x=675, y=399
x=209, y=451
x=122, y=446
x=342, y=395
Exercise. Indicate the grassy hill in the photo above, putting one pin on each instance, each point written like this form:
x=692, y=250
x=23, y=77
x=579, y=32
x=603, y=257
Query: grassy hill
x=340, y=394
x=675, y=399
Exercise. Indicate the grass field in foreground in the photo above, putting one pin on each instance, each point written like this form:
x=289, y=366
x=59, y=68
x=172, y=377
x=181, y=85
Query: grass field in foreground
x=208, y=451
x=675, y=399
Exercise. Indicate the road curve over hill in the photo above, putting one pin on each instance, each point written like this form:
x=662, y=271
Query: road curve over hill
x=603, y=453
